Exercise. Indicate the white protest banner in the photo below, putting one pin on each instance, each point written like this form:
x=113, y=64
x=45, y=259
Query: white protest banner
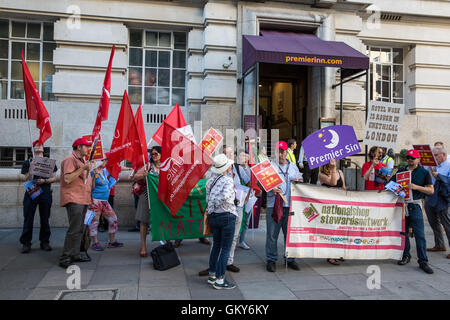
x=335, y=223
x=42, y=167
x=383, y=124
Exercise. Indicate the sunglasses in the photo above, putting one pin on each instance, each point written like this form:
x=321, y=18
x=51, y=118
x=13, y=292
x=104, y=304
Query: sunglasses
x=154, y=154
x=410, y=158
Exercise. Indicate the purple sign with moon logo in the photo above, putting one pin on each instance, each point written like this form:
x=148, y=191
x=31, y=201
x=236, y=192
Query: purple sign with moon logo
x=335, y=142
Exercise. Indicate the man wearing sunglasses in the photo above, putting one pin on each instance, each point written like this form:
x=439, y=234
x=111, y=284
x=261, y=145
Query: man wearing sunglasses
x=421, y=185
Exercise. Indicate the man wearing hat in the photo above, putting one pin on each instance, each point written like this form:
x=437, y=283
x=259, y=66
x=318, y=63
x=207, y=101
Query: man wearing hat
x=289, y=172
x=75, y=197
x=420, y=186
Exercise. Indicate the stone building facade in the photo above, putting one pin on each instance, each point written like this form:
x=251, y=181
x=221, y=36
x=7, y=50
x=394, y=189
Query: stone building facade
x=190, y=52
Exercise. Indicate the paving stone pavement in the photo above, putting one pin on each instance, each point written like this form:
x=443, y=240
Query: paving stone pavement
x=36, y=276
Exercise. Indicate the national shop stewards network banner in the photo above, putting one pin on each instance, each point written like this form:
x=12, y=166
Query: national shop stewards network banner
x=333, y=223
x=187, y=223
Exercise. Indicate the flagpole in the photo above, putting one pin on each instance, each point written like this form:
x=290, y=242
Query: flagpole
x=31, y=139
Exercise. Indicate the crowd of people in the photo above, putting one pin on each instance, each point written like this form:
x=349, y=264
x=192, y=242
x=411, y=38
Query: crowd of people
x=86, y=188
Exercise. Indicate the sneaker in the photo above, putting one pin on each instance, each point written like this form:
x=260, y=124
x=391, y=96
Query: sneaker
x=232, y=268
x=212, y=279
x=425, y=267
x=244, y=246
x=97, y=247
x=271, y=266
x=224, y=285
x=404, y=261
x=45, y=246
x=115, y=244
x=26, y=248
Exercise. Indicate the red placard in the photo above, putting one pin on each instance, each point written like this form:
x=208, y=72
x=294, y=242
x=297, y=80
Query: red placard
x=98, y=154
x=426, y=155
x=211, y=141
x=404, y=178
x=266, y=175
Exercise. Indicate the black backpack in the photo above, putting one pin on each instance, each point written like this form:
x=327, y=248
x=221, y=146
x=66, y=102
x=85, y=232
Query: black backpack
x=165, y=257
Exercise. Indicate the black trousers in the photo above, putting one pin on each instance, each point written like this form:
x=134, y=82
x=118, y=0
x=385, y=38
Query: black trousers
x=44, y=201
x=309, y=176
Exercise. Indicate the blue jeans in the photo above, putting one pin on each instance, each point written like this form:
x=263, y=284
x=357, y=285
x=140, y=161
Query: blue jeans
x=222, y=228
x=273, y=230
x=415, y=221
x=246, y=222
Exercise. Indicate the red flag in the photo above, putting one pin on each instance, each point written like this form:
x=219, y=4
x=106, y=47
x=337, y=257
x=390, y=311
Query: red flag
x=125, y=144
x=175, y=119
x=35, y=107
x=103, y=108
x=183, y=164
x=138, y=159
x=251, y=163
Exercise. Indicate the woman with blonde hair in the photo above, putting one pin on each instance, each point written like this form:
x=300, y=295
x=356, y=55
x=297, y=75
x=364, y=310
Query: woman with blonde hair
x=330, y=176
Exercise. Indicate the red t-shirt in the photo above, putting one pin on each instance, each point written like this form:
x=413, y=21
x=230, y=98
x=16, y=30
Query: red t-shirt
x=112, y=192
x=371, y=184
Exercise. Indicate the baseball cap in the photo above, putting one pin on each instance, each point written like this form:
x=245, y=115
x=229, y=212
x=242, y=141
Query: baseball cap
x=413, y=153
x=281, y=145
x=81, y=142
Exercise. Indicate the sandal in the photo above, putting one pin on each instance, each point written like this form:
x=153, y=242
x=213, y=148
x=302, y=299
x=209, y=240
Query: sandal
x=143, y=254
x=341, y=259
x=333, y=261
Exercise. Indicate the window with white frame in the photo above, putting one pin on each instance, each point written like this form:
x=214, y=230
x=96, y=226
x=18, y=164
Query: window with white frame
x=386, y=74
x=35, y=39
x=157, y=67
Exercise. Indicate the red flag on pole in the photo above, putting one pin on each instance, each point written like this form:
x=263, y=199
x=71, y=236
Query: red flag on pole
x=183, y=164
x=103, y=108
x=251, y=163
x=138, y=159
x=35, y=107
x=175, y=119
x=125, y=144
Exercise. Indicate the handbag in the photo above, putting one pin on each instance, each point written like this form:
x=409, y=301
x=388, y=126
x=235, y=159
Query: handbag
x=277, y=213
x=206, y=226
x=165, y=257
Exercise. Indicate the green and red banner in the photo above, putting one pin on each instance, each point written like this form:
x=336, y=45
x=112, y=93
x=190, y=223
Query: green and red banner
x=187, y=223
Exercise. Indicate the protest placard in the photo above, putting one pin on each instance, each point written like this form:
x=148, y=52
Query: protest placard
x=211, y=141
x=335, y=142
x=98, y=153
x=383, y=124
x=331, y=222
x=42, y=167
x=427, y=158
x=267, y=175
x=404, y=179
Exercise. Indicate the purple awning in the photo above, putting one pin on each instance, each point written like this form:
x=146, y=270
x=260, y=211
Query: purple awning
x=301, y=49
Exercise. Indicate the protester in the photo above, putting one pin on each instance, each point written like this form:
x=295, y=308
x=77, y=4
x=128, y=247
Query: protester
x=102, y=183
x=262, y=156
x=289, y=173
x=292, y=145
x=370, y=169
x=143, y=209
x=75, y=197
x=240, y=177
x=222, y=214
x=387, y=158
x=437, y=205
x=421, y=185
x=44, y=200
x=441, y=144
x=309, y=176
x=244, y=157
x=330, y=176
